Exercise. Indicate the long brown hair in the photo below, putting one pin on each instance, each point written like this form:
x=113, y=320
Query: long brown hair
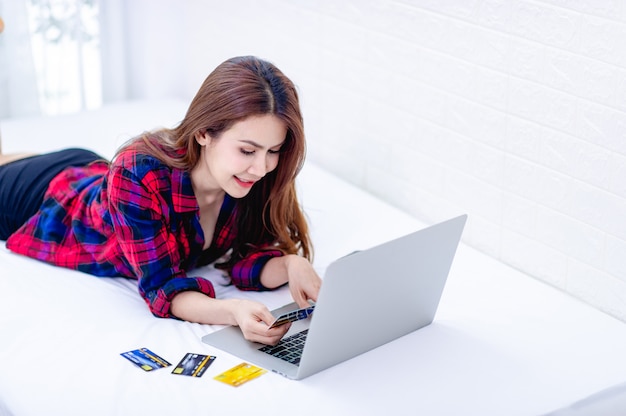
x=239, y=88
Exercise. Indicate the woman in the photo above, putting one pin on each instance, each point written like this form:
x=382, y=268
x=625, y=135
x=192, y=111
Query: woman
x=219, y=188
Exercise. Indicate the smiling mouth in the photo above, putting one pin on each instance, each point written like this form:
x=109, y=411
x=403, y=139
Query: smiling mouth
x=244, y=183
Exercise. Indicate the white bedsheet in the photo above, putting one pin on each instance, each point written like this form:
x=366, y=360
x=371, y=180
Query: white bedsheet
x=502, y=343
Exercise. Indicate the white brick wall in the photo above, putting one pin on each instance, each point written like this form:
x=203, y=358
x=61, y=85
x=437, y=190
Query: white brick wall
x=511, y=111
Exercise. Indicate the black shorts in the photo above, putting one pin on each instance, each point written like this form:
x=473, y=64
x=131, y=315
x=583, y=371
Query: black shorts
x=23, y=184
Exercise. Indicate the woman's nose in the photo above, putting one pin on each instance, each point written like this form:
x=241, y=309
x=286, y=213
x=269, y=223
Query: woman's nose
x=259, y=166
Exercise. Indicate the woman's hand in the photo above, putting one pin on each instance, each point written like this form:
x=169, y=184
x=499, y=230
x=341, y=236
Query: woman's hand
x=304, y=283
x=254, y=320
x=252, y=317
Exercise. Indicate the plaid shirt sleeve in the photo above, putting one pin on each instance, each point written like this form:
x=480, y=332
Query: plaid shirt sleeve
x=140, y=211
x=246, y=273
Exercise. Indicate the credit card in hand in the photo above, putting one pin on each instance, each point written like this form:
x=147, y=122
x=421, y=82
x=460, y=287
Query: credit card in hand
x=292, y=316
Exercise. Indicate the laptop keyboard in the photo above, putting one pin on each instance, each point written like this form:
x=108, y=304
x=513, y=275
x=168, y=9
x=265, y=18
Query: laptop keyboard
x=288, y=349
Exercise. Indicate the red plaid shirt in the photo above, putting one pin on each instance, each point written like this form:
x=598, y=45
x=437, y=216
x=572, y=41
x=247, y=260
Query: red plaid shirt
x=135, y=218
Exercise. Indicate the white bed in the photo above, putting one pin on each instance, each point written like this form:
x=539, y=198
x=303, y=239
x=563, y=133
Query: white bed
x=502, y=343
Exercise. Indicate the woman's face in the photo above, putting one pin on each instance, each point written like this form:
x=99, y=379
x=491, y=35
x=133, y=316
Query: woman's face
x=240, y=157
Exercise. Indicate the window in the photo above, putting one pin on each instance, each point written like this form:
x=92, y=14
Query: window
x=66, y=54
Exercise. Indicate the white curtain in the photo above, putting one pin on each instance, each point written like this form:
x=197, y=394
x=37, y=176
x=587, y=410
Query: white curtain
x=142, y=49
x=113, y=50
x=18, y=80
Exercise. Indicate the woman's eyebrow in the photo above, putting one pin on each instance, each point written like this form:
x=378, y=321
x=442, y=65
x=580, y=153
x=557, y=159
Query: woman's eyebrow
x=257, y=145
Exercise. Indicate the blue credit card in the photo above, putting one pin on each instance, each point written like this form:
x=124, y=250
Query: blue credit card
x=145, y=359
x=293, y=316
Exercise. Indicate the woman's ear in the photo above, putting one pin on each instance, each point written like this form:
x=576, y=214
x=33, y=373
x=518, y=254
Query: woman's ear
x=202, y=138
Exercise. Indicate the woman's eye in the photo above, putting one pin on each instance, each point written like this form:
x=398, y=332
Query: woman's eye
x=247, y=152
x=274, y=152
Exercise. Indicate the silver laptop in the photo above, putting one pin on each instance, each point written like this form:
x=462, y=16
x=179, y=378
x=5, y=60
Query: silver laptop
x=367, y=299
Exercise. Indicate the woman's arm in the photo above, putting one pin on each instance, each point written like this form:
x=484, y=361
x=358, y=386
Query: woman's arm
x=304, y=283
x=252, y=317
